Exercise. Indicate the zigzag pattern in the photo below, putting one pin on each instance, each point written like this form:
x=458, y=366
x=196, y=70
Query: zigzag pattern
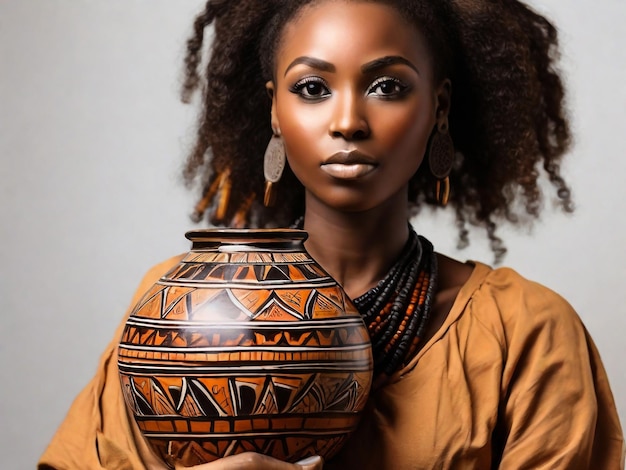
x=231, y=352
x=216, y=303
x=167, y=407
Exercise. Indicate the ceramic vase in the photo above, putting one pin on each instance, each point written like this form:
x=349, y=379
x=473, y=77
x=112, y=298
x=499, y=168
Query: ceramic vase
x=246, y=345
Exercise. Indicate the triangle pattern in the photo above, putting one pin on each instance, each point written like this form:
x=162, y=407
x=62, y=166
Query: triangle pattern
x=266, y=305
x=218, y=308
x=149, y=302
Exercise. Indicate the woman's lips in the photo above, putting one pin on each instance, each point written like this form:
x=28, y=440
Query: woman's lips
x=349, y=171
x=349, y=165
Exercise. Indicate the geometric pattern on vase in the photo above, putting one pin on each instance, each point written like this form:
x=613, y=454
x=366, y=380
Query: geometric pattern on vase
x=245, y=351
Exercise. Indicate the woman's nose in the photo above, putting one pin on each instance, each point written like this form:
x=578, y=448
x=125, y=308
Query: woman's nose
x=349, y=121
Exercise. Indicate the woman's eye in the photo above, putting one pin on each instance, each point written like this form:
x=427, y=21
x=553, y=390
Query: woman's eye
x=387, y=87
x=311, y=88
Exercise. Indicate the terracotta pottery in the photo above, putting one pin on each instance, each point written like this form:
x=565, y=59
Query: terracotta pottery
x=246, y=345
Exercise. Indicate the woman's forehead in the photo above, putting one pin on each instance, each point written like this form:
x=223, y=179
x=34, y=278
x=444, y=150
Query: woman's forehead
x=343, y=27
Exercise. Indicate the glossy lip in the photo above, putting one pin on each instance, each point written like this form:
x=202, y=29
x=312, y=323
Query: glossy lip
x=349, y=165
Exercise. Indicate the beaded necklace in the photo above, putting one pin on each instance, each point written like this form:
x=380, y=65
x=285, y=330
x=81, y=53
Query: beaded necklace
x=397, y=310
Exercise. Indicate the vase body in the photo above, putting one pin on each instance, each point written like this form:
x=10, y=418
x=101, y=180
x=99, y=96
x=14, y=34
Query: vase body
x=246, y=345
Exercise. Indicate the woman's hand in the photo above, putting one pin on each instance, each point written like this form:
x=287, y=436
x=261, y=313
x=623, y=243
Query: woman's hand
x=254, y=461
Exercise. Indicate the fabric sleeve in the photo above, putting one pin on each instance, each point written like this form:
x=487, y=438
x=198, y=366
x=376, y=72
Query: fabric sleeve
x=96, y=432
x=557, y=410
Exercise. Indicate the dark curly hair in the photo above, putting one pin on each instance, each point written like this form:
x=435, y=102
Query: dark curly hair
x=507, y=118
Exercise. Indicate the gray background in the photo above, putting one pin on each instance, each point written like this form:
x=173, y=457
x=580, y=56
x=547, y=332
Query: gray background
x=92, y=137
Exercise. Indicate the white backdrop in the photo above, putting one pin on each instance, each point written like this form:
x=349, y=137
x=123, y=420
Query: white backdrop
x=92, y=136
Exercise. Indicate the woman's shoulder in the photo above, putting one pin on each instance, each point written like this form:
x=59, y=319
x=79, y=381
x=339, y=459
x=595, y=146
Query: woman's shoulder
x=161, y=268
x=512, y=305
x=153, y=274
x=509, y=290
x=164, y=266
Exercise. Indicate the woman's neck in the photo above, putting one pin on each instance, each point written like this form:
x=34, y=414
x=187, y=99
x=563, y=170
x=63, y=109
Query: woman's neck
x=357, y=248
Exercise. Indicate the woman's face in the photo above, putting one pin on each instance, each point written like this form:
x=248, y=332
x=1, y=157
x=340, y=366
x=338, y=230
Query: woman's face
x=354, y=100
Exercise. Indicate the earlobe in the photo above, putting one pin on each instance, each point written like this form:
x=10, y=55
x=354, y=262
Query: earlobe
x=444, y=100
x=269, y=86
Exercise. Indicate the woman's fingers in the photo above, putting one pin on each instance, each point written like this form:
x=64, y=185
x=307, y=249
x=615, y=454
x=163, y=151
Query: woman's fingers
x=254, y=461
x=314, y=462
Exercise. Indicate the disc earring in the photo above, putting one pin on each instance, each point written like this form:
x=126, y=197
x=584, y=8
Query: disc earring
x=440, y=160
x=273, y=166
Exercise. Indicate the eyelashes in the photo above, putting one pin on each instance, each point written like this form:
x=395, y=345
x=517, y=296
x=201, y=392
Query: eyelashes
x=314, y=88
x=388, y=87
x=311, y=88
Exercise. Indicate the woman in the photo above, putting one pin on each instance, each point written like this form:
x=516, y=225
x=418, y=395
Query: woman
x=381, y=107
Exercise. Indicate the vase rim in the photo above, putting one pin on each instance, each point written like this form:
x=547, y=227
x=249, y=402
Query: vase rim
x=244, y=235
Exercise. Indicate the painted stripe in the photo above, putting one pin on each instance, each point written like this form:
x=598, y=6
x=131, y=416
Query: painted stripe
x=326, y=323
x=246, y=349
x=257, y=285
x=229, y=369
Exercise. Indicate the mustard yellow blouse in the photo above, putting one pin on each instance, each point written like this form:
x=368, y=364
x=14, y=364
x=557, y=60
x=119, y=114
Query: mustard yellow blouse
x=511, y=380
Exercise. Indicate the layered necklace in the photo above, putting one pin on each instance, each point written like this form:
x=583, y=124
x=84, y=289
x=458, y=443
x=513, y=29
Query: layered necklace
x=397, y=310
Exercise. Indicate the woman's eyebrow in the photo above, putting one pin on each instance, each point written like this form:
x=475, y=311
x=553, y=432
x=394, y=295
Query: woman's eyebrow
x=313, y=63
x=386, y=61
